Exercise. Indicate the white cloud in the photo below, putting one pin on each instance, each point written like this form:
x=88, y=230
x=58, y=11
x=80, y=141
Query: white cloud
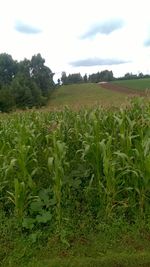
x=63, y=22
x=105, y=27
x=26, y=28
x=90, y=62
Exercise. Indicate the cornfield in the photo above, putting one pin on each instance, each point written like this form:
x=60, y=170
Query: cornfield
x=64, y=168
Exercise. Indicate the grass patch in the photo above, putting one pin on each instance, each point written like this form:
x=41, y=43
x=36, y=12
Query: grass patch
x=138, y=84
x=85, y=95
x=115, y=245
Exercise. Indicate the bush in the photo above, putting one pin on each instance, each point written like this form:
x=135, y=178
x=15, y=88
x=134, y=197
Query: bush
x=7, y=101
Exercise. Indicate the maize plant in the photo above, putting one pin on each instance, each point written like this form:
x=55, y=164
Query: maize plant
x=21, y=198
x=93, y=162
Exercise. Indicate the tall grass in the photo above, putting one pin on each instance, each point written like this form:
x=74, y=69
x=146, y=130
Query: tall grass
x=62, y=168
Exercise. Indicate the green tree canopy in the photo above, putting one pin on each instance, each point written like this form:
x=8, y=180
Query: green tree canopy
x=8, y=69
x=41, y=74
x=71, y=78
x=28, y=82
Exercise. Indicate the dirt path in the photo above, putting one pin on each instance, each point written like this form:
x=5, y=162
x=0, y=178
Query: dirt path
x=122, y=89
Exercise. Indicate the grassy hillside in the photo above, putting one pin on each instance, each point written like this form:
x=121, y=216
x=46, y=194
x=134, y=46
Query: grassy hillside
x=141, y=84
x=85, y=95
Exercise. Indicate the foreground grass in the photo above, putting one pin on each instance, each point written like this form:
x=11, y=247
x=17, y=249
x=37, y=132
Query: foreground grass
x=138, y=84
x=85, y=95
x=111, y=260
x=112, y=245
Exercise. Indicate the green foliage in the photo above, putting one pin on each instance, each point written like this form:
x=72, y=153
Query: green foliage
x=74, y=78
x=8, y=69
x=40, y=210
x=21, y=198
x=7, y=100
x=85, y=78
x=71, y=78
x=105, y=76
x=41, y=75
x=95, y=162
x=131, y=76
x=68, y=174
x=24, y=84
x=26, y=92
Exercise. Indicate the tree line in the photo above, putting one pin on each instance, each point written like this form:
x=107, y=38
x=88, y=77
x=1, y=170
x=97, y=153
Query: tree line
x=131, y=76
x=26, y=83
x=105, y=75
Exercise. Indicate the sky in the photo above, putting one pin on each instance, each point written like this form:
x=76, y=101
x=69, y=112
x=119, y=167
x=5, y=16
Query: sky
x=83, y=36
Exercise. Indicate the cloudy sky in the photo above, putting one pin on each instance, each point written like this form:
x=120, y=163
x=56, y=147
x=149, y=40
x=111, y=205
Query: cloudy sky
x=79, y=35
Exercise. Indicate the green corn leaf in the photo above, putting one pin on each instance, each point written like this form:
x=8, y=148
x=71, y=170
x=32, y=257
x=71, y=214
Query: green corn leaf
x=50, y=163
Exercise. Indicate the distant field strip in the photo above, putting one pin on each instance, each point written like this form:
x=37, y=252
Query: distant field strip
x=138, y=84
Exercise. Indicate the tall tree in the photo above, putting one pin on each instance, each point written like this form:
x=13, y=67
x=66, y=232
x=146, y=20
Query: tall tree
x=24, y=67
x=8, y=69
x=85, y=78
x=41, y=74
x=64, y=78
x=24, y=84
